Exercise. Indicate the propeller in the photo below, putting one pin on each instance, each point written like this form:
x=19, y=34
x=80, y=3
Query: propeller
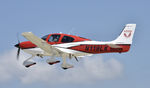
x=17, y=45
x=18, y=53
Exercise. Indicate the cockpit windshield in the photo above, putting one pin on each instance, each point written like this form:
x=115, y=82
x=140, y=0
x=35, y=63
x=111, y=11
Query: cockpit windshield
x=54, y=38
x=44, y=37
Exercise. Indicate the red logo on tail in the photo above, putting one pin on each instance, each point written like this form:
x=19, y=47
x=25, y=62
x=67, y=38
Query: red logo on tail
x=127, y=33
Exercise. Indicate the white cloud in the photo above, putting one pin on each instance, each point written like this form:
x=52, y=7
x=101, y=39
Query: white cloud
x=88, y=70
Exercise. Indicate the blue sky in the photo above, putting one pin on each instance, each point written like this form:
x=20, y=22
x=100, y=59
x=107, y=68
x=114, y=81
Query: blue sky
x=93, y=19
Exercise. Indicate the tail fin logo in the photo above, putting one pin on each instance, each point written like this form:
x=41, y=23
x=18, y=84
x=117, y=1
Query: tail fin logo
x=127, y=33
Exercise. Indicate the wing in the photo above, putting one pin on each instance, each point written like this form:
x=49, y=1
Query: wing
x=49, y=48
x=40, y=42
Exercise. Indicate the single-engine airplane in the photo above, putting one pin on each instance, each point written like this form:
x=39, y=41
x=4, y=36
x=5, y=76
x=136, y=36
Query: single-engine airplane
x=70, y=46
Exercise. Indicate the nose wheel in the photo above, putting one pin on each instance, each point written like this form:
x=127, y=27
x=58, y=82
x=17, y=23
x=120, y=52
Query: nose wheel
x=28, y=63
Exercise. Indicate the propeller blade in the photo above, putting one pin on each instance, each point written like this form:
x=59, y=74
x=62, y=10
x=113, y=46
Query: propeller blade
x=18, y=53
x=17, y=45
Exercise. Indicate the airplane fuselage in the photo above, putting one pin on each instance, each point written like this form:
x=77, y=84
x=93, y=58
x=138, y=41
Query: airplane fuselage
x=82, y=47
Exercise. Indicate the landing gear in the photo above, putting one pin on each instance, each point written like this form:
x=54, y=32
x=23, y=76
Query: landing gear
x=52, y=61
x=65, y=65
x=28, y=63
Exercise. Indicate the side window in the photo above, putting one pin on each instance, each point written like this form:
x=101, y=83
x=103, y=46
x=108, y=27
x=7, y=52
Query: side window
x=44, y=37
x=66, y=39
x=54, y=38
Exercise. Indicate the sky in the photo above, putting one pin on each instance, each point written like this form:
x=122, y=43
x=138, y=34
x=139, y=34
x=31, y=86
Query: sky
x=100, y=20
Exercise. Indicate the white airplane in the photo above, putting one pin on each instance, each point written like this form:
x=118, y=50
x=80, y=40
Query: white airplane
x=70, y=46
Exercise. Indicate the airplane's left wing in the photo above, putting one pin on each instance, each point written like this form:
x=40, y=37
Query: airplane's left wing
x=49, y=48
x=40, y=42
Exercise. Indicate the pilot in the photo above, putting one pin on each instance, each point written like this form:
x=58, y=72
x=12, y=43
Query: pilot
x=55, y=39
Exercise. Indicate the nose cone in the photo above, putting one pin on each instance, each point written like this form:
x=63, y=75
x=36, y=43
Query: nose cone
x=17, y=45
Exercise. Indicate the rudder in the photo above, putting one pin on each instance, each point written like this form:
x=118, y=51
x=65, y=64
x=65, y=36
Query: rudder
x=126, y=35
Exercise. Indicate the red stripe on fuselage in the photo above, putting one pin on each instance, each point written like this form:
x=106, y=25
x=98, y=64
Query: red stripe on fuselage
x=101, y=48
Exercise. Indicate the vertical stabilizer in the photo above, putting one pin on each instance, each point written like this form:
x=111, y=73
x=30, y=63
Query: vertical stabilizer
x=126, y=35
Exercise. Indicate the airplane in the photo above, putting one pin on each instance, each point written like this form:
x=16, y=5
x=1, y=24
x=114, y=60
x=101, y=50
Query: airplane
x=70, y=46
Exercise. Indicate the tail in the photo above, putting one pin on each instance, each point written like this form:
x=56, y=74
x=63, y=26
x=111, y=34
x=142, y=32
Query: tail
x=126, y=35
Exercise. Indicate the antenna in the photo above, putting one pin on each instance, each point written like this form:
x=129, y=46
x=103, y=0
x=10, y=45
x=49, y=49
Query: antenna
x=72, y=29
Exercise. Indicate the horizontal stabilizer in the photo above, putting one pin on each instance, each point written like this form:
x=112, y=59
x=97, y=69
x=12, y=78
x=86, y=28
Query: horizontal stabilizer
x=113, y=46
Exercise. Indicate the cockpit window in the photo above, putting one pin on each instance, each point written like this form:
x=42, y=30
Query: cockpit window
x=44, y=37
x=66, y=39
x=54, y=38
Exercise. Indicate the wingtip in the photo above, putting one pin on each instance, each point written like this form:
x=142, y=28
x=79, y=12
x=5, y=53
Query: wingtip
x=25, y=33
x=130, y=24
